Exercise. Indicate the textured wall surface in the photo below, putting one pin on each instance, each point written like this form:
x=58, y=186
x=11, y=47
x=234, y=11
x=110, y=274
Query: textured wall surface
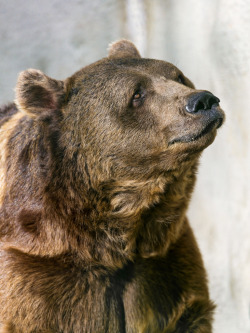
x=209, y=41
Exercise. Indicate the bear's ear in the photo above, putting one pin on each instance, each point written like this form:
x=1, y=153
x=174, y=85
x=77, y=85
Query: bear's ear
x=37, y=93
x=123, y=49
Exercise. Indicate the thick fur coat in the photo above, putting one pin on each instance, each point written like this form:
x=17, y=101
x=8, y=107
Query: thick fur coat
x=96, y=173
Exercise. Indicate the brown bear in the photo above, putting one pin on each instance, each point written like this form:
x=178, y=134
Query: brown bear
x=96, y=173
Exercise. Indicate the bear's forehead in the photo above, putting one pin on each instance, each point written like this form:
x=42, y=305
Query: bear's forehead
x=147, y=66
x=116, y=69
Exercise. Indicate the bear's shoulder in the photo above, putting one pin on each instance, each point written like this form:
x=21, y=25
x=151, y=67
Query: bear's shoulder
x=6, y=112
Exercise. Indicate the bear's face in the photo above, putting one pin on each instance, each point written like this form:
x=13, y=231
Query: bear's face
x=126, y=115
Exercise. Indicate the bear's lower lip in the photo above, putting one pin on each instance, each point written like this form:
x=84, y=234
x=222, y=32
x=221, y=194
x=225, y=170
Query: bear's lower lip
x=216, y=123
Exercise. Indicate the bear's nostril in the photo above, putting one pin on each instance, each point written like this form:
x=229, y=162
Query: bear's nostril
x=201, y=101
x=199, y=106
x=212, y=100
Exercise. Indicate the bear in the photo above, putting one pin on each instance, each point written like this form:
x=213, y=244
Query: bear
x=96, y=174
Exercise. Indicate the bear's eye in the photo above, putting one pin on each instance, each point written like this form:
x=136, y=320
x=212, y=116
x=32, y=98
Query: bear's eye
x=181, y=79
x=137, y=98
x=137, y=95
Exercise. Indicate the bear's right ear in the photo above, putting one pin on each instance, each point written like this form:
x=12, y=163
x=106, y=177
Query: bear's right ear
x=123, y=49
x=37, y=93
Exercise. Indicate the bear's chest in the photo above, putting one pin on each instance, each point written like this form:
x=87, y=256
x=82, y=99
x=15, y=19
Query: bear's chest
x=153, y=295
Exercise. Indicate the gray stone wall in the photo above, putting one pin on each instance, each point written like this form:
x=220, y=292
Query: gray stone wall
x=209, y=41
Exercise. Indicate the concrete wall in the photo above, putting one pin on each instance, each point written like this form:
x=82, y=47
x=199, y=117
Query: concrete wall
x=209, y=41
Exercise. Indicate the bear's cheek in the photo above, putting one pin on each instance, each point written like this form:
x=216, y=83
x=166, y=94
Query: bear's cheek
x=169, y=118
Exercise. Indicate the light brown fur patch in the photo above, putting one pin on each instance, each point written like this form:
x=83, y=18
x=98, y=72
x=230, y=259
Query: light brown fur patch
x=5, y=132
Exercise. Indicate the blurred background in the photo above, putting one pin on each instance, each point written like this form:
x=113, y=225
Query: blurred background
x=209, y=41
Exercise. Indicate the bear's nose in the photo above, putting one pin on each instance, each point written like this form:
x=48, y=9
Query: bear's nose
x=201, y=101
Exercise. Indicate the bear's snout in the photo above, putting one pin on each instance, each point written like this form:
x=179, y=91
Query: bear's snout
x=205, y=117
x=201, y=101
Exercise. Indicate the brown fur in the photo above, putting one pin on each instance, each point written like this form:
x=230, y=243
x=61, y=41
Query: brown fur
x=96, y=175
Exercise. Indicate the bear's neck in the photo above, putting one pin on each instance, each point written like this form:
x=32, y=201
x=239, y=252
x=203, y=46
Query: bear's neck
x=161, y=224
x=116, y=222
x=155, y=210
x=131, y=218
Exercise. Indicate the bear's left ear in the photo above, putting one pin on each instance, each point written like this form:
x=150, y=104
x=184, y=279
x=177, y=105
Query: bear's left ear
x=123, y=49
x=37, y=93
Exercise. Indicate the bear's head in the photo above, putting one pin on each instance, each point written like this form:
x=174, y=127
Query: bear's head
x=126, y=128
x=129, y=117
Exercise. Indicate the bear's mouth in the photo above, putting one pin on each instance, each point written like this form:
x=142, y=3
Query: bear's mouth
x=214, y=124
